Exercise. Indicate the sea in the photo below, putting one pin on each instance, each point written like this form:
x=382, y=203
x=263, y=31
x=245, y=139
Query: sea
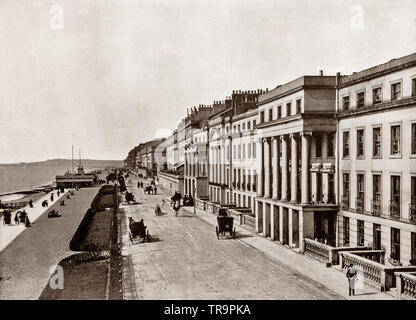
x=24, y=178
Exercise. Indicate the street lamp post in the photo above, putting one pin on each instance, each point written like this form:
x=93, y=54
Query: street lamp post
x=194, y=201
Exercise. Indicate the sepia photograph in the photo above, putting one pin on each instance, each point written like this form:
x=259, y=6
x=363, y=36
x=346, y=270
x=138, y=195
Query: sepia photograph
x=208, y=155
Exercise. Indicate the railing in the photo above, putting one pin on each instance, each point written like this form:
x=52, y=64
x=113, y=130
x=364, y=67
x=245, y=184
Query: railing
x=406, y=285
x=412, y=212
x=377, y=274
x=394, y=209
x=375, y=208
x=359, y=204
x=345, y=202
x=325, y=252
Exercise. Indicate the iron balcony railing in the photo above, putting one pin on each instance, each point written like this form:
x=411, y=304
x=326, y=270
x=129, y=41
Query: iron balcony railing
x=412, y=212
x=375, y=207
x=394, y=209
x=359, y=204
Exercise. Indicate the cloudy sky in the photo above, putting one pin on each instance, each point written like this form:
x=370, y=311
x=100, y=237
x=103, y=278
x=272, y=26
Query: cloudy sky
x=107, y=75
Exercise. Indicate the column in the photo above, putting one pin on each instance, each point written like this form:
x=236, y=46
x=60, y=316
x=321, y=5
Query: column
x=260, y=169
x=305, y=191
x=285, y=169
x=295, y=169
x=324, y=145
x=276, y=166
x=266, y=146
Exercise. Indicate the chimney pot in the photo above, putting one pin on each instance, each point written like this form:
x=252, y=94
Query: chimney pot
x=321, y=72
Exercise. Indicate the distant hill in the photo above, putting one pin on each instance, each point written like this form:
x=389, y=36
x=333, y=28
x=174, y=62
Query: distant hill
x=67, y=163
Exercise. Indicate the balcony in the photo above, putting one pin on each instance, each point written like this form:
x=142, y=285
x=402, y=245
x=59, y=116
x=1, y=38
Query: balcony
x=394, y=209
x=345, y=202
x=359, y=204
x=412, y=212
x=375, y=208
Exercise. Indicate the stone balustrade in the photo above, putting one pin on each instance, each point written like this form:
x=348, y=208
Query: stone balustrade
x=405, y=285
x=380, y=275
x=328, y=253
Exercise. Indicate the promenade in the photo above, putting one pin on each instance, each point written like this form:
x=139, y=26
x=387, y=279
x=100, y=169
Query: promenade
x=29, y=253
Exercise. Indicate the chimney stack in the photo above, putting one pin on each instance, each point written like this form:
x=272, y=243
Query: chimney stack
x=321, y=72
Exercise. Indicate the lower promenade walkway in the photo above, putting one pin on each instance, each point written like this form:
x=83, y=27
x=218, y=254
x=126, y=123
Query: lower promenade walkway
x=330, y=278
x=27, y=254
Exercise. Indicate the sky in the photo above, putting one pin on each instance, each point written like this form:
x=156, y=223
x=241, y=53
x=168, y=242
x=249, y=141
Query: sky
x=106, y=75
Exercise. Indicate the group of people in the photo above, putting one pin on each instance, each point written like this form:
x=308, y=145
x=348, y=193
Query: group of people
x=20, y=217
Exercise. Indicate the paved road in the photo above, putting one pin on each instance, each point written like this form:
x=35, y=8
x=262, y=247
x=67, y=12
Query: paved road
x=26, y=261
x=188, y=262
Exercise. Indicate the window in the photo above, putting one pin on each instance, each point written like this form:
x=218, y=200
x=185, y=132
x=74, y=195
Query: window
x=244, y=126
x=376, y=204
x=396, y=89
x=331, y=139
x=346, y=231
x=254, y=124
x=413, y=143
x=261, y=116
x=345, y=144
x=360, y=143
x=270, y=114
x=360, y=192
x=360, y=99
x=239, y=128
x=318, y=146
x=377, y=142
x=395, y=244
x=254, y=150
x=346, y=191
x=413, y=191
x=346, y=102
x=376, y=95
x=360, y=232
x=298, y=106
x=413, y=248
x=279, y=112
x=414, y=87
x=288, y=106
x=244, y=151
x=248, y=150
x=239, y=152
x=395, y=196
x=234, y=152
x=395, y=140
x=228, y=153
x=248, y=125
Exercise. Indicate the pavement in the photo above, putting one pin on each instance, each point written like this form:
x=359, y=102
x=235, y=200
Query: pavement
x=185, y=260
x=26, y=260
x=9, y=232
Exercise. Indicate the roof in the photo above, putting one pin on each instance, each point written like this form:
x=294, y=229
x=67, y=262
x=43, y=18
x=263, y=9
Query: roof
x=300, y=83
x=379, y=70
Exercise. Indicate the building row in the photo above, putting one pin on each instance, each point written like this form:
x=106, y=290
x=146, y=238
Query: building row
x=329, y=158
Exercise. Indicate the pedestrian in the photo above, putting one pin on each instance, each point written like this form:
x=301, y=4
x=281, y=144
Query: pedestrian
x=352, y=278
x=155, y=189
x=51, y=196
x=16, y=218
x=163, y=202
x=30, y=203
x=58, y=193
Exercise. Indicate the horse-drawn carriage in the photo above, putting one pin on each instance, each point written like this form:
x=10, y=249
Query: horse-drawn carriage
x=225, y=223
x=138, y=232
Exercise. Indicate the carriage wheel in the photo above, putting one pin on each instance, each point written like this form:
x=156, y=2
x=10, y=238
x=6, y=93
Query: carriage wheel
x=217, y=232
